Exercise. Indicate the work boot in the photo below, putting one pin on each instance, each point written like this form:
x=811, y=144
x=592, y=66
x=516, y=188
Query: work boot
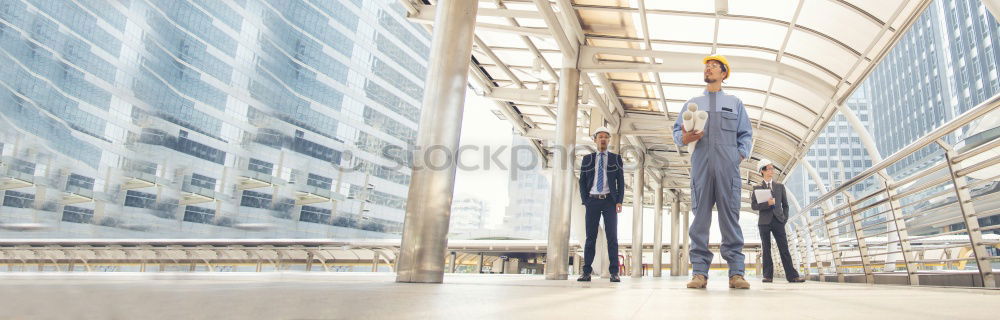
x=737, y=282
x=699, y=281
x=584, y=277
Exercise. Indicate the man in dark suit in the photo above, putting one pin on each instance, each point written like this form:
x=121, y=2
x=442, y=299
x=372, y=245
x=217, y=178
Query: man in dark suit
x=773, y=214
x=602, y=188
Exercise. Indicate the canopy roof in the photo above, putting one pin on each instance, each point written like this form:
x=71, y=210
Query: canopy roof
x=793, y=63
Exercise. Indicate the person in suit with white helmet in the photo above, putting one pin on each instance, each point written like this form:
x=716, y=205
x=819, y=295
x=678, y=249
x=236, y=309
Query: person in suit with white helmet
x=602, y=188
x=772, y=216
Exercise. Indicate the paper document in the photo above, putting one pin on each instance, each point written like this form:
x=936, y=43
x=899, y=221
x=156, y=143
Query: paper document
x=762, y=195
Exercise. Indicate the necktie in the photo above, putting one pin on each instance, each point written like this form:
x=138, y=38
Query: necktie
x=600, y=174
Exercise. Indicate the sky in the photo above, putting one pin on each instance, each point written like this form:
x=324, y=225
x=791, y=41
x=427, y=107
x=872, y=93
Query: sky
x=482, y=129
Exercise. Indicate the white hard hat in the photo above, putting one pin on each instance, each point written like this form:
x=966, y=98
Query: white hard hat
x=601, y=129
x=762, y=163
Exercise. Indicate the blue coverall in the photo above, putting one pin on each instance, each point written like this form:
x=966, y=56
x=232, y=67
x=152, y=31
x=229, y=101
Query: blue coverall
x=715, y=178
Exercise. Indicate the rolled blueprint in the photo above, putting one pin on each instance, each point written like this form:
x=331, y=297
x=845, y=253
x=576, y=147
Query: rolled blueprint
x=688, y=120
x=700, y=120
x=694, y=120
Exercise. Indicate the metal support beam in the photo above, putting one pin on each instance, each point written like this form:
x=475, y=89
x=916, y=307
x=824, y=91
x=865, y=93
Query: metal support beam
x=835, y=254
x=658, y=230
x=815, y=248
x=686, y=249
x=803, y=237
x=638, y=189
x=675, y=236
x=902, y=234
x=866, y=263
x=479, y=265
x=569, y=47
x=425, y=228
x=557, y=252
x=569, y=36
x=964, y=200
x=827, y=205
x=691, y=62
x=454, y=261
x=801, y=249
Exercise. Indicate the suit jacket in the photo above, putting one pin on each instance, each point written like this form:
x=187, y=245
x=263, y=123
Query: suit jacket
x=615, y=176
x=767, y=213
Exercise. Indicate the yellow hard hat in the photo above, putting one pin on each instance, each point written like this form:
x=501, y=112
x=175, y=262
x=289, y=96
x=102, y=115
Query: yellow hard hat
x=721, y=59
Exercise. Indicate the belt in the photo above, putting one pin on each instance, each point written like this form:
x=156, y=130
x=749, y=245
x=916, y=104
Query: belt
x=599, y=196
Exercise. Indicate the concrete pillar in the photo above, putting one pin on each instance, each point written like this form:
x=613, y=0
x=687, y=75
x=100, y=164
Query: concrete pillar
x=557, y=252
x=425, y=228
x=638, y=188
x=686, y=248
x=658, y=231
x=479, y=266
x=675, y=235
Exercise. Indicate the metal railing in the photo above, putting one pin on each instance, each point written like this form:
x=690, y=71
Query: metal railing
x=227, y=255
x=916, y=229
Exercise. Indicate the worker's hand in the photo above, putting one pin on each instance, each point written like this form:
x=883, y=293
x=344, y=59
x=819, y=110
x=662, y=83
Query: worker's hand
x=770, y=202
x=618, y=207
x=690, y=136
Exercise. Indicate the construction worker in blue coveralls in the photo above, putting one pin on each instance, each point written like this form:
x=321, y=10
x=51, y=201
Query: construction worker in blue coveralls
x=715, y=174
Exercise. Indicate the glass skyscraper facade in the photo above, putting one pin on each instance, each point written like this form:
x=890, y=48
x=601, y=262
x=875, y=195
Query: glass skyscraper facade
x=943, y=66
x=207, y=118
x=837, y=154
x=529, y=194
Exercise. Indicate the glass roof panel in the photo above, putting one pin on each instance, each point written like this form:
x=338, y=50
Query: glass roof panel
x=798, y=93
x=681, y=28
x=683, y=77
x=748, y=80
x=751, y=33
x=752, y=53
x=772, y=9
x=678, y=5
x=682, y=48
x=821, y=51
x=880, y=9
x=811, y=69
x=787, y=107
x=837, y=21
x=499, y=39
x=748, y=97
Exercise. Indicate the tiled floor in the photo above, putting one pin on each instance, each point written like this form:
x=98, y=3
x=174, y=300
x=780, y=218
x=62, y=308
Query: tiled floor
x=299, y=295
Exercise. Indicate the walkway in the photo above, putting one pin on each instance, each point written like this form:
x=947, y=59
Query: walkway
x=295, y=295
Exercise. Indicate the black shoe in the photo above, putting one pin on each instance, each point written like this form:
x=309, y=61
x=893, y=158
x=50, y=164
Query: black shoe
x=768, y=280
x=797, y=280
x=614, y=278
x=584, y=277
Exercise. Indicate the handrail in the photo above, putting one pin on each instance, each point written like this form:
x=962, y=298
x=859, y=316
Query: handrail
x=947, y=128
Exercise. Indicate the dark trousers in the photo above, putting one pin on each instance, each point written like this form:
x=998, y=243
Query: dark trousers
x=595, y=209
x=778, y=229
